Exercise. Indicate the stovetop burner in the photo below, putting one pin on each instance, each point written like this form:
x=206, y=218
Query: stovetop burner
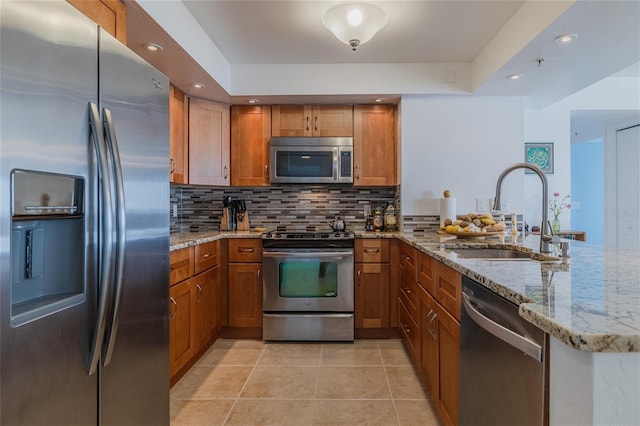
x=307, y=240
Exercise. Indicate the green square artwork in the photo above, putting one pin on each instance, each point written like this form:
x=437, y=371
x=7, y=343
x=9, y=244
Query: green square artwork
x=539, y=154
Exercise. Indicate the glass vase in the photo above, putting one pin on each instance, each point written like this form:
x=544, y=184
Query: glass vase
x=555, y=225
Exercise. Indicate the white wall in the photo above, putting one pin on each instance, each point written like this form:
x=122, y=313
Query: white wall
x=553, y=124
x=461, y=144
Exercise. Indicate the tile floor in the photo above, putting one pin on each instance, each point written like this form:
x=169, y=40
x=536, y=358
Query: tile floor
x=250, y=382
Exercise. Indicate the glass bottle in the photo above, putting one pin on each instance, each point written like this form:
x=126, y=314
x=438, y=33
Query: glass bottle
x=390, y=221
x=378, y=219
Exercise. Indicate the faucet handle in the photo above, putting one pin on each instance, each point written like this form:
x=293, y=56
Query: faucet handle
x=551, y=228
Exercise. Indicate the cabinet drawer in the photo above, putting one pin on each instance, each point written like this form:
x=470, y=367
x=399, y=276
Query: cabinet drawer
x=408, y=329
x=371, y=250
x=181, y=265
x=426, y=272
x=409, y=259
x=408, y=291
x=245, y=250
x=207, y=256
x=449, y=289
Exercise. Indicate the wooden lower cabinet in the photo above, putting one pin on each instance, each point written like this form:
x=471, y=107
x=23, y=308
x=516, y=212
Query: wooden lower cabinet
x=371, y=295
x=428, y=342
x=245, y=295
x=448, y=365
x=206, y=307
x=181, y=324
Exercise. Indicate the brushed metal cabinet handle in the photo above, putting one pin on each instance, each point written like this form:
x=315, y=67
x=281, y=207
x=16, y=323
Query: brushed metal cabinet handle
x=370, y=250
x=359, y=276
x=246, y=249
x=175, y=305
x=199, y=293
x=172, y=165
x=226, y=173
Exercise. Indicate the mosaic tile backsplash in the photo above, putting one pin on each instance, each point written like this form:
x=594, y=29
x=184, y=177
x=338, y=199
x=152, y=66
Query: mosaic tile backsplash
x=299, y=207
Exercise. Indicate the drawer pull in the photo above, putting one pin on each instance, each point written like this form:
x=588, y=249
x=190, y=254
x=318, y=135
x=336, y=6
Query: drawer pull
x=406, y=328
x=246, y=249
x=175, y=305
x=171, y=268
x=207, y=255
x=370, y=250
x=259, y=277
x=407, y=290
x=359, y=274
x=199, y=293
x=405, y=257
x=434, y=333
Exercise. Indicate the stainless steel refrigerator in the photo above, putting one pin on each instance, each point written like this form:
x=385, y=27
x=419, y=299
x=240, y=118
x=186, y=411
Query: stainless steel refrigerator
x=84, y=224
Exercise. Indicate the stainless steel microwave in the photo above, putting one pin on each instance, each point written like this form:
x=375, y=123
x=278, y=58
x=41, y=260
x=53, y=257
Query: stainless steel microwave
x=311, y=160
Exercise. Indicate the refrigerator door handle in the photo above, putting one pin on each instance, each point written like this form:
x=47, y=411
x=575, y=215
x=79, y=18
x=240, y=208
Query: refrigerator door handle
x=121, y=229
x=105, y=237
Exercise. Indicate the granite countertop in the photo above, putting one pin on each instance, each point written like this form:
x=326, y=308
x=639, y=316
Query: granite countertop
x=590, y=302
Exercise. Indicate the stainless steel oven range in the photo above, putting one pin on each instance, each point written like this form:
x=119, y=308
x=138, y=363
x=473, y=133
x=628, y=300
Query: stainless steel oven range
x=308, y=286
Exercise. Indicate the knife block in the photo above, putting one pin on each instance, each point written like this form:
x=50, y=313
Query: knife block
x=242, y=221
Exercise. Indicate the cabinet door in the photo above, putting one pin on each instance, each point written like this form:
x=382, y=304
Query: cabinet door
x=448, y=365
x=245, y=295
x=409, y=331
x=372, y=295
x=111, y=15
x=449, y=289
x=208, y=143
x=206, y=309
x=178, y=136
x=250, y=134
x=291, y=120
x=374, y=145
x=181, y=324
x=332, y=120
x=428, y=343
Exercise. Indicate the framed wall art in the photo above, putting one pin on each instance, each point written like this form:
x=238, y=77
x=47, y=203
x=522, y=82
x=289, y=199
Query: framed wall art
x=539, y=154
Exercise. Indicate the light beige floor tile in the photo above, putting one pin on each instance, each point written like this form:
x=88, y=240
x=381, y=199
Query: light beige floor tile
x=238, y=343
x=405, y=383
x=211, y=382
x=412, y=413
x=271, y=412
x=394, y=354
x=291, y=354
x=350, y=412
x=351, y=354
x=230, y=356
x=281, y=382
x=200, y=411
x=352, y=383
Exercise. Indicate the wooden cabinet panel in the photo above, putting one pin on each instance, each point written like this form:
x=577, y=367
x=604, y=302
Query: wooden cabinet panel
x=207, y=255
x=181, y=265
x=245, y=294
x=209, y=142
x=408, y=278
x=372, y=295
x=374, y=145
x=408, y=330
x=250, y=134
x=206, y=312
x=181, y=324
x=428, y=343
x=178, y=136
x=426, y=272
x=448, y=365
x=111, y=15
x=371, y=250
x=449, y=289
x=245, y=250
x=317, y=120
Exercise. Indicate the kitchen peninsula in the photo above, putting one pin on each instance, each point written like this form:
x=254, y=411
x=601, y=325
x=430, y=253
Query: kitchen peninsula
x=590, y=307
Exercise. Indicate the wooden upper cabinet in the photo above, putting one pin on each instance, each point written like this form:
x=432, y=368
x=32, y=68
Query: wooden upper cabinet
x=178, y=136
x=374, y=145
x=111, y=15
x=316, y=120
x=209, y=142
x=250, y=134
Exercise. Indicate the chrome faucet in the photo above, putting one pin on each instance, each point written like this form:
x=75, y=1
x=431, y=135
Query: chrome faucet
x=546, y=234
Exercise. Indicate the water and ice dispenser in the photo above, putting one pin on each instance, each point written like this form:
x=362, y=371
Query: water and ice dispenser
x=48, y=254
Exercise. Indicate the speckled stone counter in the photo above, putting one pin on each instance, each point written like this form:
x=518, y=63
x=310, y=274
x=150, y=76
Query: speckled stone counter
x=591, y=303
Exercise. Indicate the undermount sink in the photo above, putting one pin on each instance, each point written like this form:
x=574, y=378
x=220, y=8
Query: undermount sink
x=500, y=254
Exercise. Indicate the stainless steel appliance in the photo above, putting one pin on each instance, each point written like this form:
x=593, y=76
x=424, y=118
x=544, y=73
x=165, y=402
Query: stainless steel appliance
x=311, y=160
x=84, y=229
x=502, y=362
x=308, y=286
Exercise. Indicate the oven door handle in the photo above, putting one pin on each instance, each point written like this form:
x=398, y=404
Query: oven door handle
x=329, y=255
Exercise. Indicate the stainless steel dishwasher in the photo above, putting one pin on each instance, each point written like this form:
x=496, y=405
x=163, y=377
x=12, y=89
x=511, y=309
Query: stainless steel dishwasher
x=503, y=379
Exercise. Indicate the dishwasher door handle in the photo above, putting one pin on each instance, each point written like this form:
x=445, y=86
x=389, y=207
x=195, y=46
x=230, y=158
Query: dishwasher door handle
x=530, y=348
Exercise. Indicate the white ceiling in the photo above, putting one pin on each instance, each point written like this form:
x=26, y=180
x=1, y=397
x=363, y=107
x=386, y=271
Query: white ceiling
x=272, y=33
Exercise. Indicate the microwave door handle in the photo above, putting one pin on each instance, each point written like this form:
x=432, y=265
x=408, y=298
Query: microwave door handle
x=336, y=156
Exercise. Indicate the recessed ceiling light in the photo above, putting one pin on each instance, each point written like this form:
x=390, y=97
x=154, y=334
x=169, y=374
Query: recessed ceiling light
x=515, y=76
x=379, y=99
x=566, y=38
x=253, y=101
x=198, y=85
x=152, y=47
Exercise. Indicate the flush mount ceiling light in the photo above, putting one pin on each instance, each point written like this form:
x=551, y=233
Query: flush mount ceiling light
x=566, y=38
x=354, y=23
x=515, y=76
x=198, y=85
x=152, y=47
x=253, y=101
